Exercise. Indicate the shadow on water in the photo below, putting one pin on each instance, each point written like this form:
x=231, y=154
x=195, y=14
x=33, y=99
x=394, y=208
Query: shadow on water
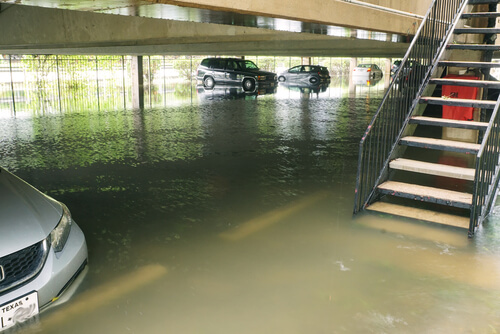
x=233, y=214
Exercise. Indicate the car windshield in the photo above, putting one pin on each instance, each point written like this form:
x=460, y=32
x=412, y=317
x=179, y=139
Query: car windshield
x=247, y=65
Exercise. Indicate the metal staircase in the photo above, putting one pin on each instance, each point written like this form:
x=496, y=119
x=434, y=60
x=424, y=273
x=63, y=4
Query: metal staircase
x=415, y=163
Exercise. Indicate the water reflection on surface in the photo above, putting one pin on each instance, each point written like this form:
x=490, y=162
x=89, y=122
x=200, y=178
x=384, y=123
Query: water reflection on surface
x=233, y=215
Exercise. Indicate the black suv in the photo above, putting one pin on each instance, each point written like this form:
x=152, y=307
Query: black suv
x=234, y=71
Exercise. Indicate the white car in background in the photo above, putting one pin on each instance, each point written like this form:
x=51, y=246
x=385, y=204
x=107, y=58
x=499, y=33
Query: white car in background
x=42, y=250
x=369, y=70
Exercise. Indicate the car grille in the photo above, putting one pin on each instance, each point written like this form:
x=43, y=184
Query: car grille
x=19, y=267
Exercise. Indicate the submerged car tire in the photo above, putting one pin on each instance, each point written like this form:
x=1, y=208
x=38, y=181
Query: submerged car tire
x=281, y=79
x=209, y=82
x=248, y=84
x=313, y=80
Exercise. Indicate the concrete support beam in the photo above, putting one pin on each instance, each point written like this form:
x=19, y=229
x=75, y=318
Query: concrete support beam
x=393, y=16
x=337, y=13
x=36, y=30
x=417, y=7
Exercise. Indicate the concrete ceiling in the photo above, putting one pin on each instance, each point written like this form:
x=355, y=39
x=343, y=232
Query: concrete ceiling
x=148, y=27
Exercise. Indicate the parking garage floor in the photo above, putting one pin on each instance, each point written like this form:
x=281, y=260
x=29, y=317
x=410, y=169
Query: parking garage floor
x=233, y=214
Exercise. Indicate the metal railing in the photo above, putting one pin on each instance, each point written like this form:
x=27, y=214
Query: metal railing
x=382, y=135
x=487, y=171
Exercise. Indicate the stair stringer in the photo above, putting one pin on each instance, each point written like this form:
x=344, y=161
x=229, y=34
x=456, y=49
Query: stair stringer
x=408, y=129
x=415, y=109
x=383, y=174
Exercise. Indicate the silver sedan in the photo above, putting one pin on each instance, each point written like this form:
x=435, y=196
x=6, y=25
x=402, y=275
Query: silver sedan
x=310, y=74
x=42, y=250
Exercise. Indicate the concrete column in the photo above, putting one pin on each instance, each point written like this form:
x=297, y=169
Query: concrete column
x=305, y=61
x=352, y=65
x=387, y=71
x=137, y=83
x=352, y=87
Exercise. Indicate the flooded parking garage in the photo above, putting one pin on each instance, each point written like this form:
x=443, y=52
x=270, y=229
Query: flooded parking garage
x=232, y=213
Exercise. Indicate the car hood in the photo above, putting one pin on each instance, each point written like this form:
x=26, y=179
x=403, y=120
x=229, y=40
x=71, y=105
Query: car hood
x=27, y=216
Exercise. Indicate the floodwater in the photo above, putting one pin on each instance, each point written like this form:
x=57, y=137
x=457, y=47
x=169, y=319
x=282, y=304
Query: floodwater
x=233, y=214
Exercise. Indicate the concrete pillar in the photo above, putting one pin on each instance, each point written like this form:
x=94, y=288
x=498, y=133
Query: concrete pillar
x=137, y=83
x=305, y=61
x=352, y=87
x=352, y=65
x=387, y=71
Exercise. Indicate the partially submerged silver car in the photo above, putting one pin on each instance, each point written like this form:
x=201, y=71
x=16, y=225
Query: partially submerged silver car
x=42, y=250
x=308, y=74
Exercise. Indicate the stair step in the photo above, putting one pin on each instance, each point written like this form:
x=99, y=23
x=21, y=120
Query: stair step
x=466, y=83
x=433, y=169
x=478, y=64
x=480, y=15
x=474, y=47
x=440, y=144
x=427, y=194
x=488, y=104
x=459, y=31
x=420, y=214
x=449, y=123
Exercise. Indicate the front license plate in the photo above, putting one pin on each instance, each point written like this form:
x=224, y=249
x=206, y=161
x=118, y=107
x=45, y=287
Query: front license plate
x=18, y=311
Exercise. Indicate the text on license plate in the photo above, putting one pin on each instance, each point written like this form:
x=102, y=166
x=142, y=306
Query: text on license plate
x=18, y=311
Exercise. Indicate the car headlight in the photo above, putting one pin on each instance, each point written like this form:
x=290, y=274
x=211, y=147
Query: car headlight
x=261, y=77
x=60, y=233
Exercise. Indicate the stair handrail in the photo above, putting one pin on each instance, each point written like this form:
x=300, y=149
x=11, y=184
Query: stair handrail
x=385, y=129
x=486, y=179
